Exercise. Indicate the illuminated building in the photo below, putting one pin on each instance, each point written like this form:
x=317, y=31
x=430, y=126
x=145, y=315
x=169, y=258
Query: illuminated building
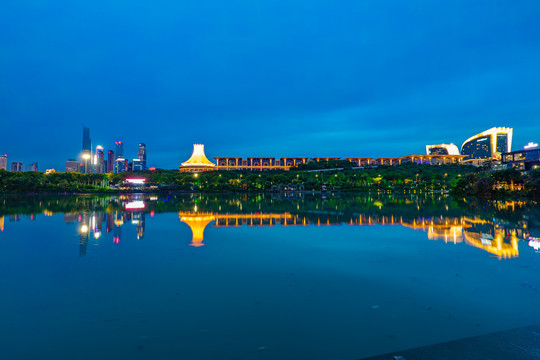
x=16, y=166
x=142, y=156
x=442, y=149
x=49, y=171
x=86, y=151
x=72, y=166
x=99, y=160
x=137, y=165
x=31, y=167
x=198, y=161
x=3, y=162
x=121, y=165
x=119, y=149
x=523, y=160
x=488, y=144
x=110, y=161
x=87, y=142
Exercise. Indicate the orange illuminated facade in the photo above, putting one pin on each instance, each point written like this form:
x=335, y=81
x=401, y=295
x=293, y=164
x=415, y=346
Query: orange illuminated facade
x=199, y=162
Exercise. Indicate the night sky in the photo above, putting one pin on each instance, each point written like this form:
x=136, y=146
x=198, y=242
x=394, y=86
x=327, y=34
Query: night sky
x=256, y=77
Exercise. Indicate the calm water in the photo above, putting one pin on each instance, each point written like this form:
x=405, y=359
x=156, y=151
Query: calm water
x=260, y=277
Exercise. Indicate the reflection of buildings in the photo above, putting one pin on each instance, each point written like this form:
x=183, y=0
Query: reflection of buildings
x=2, y=223
x=139, y=220
x=494, y=238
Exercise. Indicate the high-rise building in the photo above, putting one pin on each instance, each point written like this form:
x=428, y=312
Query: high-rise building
x=3, y=161
x=442, y=149
x=31, y=167
x=137, y=165
x=72, y=166
x=486, y=144
x=121, y=165
x=119, y=149
x=16, y=166
x=142, y=155
x=87, y=142
x=87, y=151
x=99, y=160
x=110, y=161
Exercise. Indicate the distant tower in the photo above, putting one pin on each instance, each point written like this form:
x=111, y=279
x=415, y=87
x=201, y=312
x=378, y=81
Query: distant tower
x=86, y=150
x=100, y=160
x=142, y=155
x=31, y=167
x=110, y=161
x=119, y=149
x=3, y=161
x=86, y=141
x=16, y=166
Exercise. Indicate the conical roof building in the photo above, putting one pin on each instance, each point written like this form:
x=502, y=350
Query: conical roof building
x=198, y=161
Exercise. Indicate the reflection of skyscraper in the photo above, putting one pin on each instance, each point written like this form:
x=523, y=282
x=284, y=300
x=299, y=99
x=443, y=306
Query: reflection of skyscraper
x=142, y=155
x=84, y=233
x=71, y=218
x=110, y=222
x=139, y=219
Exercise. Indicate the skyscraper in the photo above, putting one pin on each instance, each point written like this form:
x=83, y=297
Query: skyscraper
x=119, y=149
x=121, y=165
x=86, y=141
x=31, y=167
x=16, y=166
x=3, y=161
x=86, y=150
x=142, y=155
x=110, y=161
x=99, y=160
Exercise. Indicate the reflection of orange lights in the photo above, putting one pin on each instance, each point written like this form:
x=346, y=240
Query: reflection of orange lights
x=116, y=239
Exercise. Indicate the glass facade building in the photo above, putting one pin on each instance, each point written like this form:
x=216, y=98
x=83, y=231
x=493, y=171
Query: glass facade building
x=142, y=156
x=486, y=144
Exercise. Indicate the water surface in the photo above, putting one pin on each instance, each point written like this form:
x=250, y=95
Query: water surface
x=260, y=277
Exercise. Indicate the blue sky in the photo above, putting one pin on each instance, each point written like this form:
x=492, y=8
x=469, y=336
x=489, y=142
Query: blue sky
x=273, y=78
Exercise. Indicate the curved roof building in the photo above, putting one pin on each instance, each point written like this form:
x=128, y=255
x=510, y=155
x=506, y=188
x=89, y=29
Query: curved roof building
x=442, y=149
x=198, y=161
x=487, y=143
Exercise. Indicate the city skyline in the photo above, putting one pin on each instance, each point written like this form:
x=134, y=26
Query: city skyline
x=321, y=79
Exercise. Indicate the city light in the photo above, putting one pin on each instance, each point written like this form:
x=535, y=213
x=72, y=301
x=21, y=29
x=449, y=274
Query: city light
x=138, y=204
x=136, y=181
x=84, y=229
x=530, y=146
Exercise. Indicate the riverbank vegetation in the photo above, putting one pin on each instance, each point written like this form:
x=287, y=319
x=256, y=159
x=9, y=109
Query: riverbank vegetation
x=406, y=178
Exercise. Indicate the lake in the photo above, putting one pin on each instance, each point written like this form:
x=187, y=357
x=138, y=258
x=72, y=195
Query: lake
x=264, y=276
